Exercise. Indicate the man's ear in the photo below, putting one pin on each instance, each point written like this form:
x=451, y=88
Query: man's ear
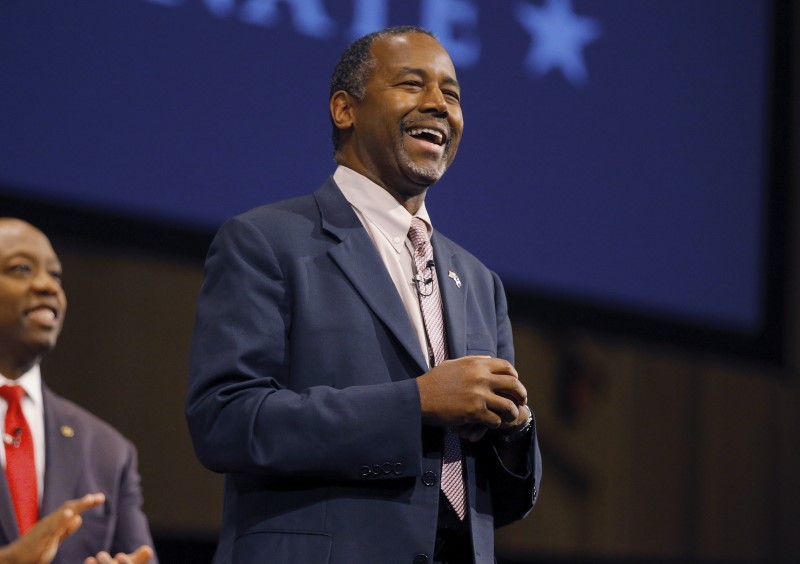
x=341, y=105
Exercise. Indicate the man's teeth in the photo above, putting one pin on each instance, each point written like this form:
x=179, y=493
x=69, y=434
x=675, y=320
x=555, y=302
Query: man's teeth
x=417, y=131
x=43, y=314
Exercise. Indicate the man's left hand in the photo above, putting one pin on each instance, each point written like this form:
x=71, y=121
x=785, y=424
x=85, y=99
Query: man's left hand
x=142, y=555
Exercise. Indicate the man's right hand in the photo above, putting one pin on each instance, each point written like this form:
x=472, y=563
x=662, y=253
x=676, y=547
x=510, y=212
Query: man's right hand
x=473, y=393
x=40, y=544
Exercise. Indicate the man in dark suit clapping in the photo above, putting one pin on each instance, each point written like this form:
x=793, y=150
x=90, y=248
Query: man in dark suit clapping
x=54, y=451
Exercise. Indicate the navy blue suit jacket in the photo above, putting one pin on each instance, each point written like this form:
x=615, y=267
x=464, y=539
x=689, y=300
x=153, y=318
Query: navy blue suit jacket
x=84, y=454
x=302, y=391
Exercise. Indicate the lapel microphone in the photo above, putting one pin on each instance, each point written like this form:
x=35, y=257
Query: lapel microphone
x=15, y=439
x=423, y=283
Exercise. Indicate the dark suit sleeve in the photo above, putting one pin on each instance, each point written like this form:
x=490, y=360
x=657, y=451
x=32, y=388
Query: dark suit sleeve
x=132, y=530
x=514, y=492
x=245, y=410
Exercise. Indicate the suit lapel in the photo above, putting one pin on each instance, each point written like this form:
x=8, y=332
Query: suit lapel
x=61, y=444
x=358, y=259
x=8, y=519
x=453, y=296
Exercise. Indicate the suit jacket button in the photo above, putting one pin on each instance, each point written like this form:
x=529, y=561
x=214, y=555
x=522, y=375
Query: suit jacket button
x=421, y=559
x=398, y=468
x=429, y=479
x=364, y=471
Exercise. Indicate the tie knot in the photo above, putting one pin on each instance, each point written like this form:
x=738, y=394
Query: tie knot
x=12, y=393
x=418, y=233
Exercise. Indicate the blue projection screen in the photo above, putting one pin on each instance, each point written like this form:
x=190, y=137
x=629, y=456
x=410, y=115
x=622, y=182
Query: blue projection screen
x=614, y=152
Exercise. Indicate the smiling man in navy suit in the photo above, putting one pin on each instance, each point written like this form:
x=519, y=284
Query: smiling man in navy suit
x=352, y=368
x=70, y=452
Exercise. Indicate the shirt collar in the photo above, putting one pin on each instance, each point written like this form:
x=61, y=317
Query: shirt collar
x=31, y=381
x=378, y=206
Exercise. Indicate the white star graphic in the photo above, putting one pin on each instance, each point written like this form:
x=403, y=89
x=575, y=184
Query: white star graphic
x=558, y=37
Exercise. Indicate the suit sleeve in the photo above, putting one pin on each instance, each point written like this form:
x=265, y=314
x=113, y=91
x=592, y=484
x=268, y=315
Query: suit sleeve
x=514, y=492
x=244, y=415
x=132, y=530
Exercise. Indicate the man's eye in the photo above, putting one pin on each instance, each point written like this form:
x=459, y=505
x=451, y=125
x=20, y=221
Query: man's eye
x=57, y=276
x=20, y=269
x=452, y=95
x=413, y=83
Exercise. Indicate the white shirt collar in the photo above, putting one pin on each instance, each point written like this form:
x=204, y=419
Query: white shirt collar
x=31, y=381
x=378, y=206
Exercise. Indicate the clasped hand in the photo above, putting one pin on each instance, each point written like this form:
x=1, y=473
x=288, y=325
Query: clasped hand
x=473, y=394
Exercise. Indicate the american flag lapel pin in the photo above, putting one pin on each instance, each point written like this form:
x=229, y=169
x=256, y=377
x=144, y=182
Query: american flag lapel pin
x=455, y=278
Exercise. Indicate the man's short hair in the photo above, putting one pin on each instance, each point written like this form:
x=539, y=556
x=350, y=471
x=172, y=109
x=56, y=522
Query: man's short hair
x=356, y=64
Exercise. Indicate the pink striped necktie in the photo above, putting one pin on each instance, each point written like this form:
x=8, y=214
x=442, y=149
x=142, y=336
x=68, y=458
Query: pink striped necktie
x=431, y=305
x=20, y=464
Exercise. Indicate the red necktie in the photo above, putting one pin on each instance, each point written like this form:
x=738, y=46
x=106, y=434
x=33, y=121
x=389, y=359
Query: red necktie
x=20, y=464
x=431, y=304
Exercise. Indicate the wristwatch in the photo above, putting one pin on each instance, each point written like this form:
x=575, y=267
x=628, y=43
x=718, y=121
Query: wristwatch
x=520, y=431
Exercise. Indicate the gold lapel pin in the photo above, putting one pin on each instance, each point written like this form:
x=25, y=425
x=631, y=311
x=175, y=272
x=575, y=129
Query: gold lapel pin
x=67, y=431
